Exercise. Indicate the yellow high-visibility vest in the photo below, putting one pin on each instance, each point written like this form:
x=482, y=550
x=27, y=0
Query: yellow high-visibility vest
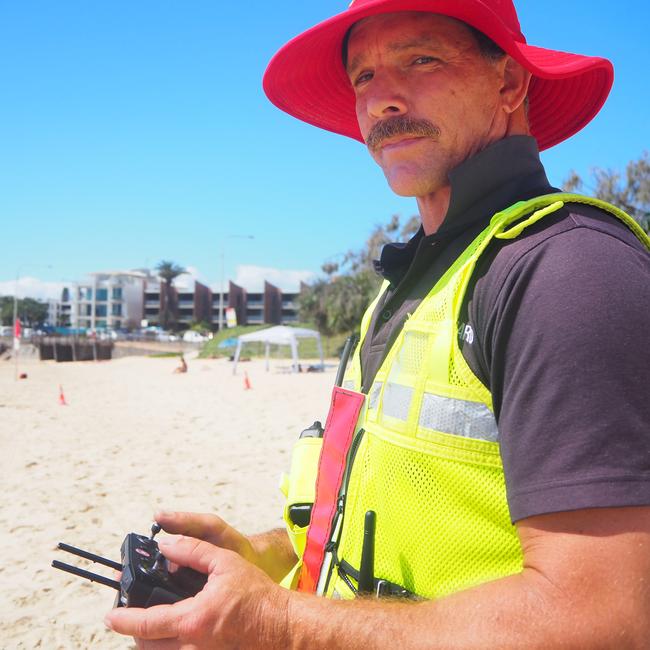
x=426, y=455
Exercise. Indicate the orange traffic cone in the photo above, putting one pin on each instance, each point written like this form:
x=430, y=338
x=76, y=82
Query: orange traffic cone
x=62, y=401
x=247, y=382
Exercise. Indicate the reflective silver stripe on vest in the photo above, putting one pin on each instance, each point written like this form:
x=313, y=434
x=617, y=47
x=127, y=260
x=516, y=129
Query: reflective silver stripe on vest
x=397, y=401
x=373, y=395
x=348, y=384
x=458, y=417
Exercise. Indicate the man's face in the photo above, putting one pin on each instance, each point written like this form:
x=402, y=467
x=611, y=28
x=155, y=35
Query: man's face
x=426, y=99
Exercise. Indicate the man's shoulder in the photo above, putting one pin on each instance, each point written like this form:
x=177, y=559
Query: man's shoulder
x=575, y=234
x=578, y=253
x=576, y=215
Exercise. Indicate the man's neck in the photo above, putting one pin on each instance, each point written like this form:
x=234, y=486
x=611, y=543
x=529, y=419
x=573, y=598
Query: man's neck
x=433, y=209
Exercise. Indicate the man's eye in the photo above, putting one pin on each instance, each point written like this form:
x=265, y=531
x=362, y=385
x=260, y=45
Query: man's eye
x=362, y=78
x=422, y=60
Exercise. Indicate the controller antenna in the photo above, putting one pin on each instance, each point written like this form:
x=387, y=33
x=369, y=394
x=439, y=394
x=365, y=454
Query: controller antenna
x=155, y=529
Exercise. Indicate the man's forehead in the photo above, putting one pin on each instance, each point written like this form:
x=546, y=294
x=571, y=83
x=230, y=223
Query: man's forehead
x=399, y=31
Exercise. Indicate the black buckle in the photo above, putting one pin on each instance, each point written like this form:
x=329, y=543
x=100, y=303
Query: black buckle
x=386, y=589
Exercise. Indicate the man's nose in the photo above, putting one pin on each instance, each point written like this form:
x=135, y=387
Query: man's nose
x=384, y=98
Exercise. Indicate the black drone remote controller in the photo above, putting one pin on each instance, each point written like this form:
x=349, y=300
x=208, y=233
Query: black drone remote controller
x=145, y=580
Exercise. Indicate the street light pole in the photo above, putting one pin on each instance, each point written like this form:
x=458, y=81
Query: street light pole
x=221, y=281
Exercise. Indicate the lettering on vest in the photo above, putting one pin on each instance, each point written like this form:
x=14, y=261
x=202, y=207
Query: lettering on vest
x=468, y=334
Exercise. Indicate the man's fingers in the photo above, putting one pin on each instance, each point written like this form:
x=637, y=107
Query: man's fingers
x=188, y=523
x=193, y=553
x=207, y=527
x=160, y=622
x=202, y=526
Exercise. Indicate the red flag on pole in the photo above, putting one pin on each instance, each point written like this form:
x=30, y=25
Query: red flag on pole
x=17, y=332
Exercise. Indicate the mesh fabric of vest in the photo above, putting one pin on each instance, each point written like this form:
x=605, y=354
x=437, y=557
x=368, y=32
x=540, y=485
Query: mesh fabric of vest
x=438, y=490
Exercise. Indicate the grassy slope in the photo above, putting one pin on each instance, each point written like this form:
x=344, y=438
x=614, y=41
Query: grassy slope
x=306, y=347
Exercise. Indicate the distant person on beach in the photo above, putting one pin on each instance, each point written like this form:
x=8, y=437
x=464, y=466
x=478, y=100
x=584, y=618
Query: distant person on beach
x=183, y=367
x=484, y=479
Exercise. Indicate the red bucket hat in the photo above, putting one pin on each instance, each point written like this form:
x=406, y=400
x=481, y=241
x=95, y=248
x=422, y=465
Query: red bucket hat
x=306, y=78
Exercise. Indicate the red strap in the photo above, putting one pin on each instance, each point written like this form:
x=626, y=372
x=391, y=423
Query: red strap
x=339, y=432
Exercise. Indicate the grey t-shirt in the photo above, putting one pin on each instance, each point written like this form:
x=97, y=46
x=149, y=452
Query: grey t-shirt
x=561, y=336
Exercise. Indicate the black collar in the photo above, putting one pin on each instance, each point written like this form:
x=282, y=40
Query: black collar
x=507, y=171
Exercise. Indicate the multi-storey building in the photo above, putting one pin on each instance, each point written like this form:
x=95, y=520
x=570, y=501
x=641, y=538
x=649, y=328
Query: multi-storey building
x=53, y=312
x=272, y=305
x=127, y=299
x=111, y=300
x=181, y=306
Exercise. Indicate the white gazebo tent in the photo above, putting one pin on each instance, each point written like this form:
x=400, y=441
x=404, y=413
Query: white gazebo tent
x=279, y=335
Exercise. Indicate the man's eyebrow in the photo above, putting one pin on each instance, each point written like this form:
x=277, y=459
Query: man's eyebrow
x=397, y=46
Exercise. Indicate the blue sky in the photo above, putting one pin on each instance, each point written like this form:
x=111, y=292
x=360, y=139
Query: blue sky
x=132, y=132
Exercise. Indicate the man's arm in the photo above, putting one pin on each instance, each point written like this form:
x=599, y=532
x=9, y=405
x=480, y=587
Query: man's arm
x=585, y=584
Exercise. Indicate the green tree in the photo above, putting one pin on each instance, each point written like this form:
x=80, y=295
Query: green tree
x=201, y=326
x=337, y=302
x=168, y=271
x=31, y=312
x=6, y=310
x=629, y=190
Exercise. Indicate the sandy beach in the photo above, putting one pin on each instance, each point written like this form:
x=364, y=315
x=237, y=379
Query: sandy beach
x=133, y=437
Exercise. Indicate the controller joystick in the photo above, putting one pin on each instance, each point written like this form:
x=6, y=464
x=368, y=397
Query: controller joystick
x=155, y=529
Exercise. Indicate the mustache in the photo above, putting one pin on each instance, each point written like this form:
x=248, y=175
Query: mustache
x=400, y=125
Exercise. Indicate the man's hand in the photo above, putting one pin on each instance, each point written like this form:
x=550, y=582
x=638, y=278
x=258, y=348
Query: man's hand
x=269, y=551
x=240, y=606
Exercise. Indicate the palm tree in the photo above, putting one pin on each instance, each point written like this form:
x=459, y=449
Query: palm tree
x=168, y=271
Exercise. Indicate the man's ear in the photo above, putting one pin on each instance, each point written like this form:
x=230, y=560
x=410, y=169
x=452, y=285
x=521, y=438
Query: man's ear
x=516, y=80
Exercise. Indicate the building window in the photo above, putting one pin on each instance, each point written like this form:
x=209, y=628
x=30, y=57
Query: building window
x=102, y=295
x=100, y=310
x=116, y=309
x=117, y=293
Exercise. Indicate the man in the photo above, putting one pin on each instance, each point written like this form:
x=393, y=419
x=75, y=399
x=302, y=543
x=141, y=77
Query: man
x=493, y=425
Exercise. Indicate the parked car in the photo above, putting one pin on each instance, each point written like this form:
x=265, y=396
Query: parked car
x=191, y=336
x=107, y=335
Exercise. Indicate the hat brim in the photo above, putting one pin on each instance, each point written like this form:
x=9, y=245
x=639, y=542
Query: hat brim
x=306, y=78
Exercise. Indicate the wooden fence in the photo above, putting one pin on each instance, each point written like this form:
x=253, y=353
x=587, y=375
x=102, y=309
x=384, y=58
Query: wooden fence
x=65, y=348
